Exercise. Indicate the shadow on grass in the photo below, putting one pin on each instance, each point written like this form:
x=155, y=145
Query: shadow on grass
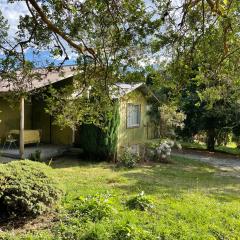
x=69, y=161
x=28, y=223
x=182, y=176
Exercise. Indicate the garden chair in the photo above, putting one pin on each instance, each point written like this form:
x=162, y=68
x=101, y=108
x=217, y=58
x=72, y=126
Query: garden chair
x=10, y=141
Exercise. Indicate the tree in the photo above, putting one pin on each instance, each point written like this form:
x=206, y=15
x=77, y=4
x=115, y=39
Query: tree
x=202, y=64
x=108, y=37
x=198, y=39
x=220, y=118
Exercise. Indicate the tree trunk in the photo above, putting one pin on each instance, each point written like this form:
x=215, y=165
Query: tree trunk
x=211, y=139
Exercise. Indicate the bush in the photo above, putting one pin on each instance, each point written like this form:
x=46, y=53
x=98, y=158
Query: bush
x=164, y=151
x=95, y=231
x=140, y=202
x=36, y=156
x=100, y=143
x=26, y=189
x=160, y=152
x=128, y=159
x=93, y=208
x=71, y=228
x=128, y=231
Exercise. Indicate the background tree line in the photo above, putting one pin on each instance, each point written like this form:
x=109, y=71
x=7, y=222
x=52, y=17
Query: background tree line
x=192, y=47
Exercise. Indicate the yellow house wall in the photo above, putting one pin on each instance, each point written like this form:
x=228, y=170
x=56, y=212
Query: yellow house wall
x=136, y=135
x=37, y=118
x=50, y=132
x=41, y=120
x=10, y=117
x=61, y=136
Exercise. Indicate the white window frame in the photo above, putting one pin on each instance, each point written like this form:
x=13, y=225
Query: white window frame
x=138, y=121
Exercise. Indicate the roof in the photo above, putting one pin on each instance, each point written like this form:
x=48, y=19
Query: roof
x=47, y=78
x=117, y=90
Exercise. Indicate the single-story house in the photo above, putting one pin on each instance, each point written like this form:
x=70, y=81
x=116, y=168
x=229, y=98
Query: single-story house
x=135, y=126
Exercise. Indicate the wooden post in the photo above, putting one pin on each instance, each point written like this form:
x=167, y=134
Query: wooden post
x=73, y=136
x=21, y=138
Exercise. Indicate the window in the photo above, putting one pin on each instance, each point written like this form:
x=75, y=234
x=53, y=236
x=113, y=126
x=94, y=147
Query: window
x=133, y=115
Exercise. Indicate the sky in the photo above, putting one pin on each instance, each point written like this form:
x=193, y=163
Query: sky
x=12, y=12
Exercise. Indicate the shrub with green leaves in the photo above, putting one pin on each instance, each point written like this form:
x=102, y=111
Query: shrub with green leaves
x=96, y=231
x=26, y=189
x=93, y=208
x=140, y=202
x=128, y=231
x=128, y=159
x=36, y=156
x=71, y=228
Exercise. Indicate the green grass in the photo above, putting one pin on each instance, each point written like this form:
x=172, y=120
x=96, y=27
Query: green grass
x=192, y=200
x=193, y=145
x=231, y=148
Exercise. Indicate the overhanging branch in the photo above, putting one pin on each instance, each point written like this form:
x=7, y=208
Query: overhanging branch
x=58, y=31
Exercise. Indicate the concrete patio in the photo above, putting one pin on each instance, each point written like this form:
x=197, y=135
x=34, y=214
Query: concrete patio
x=48, y=151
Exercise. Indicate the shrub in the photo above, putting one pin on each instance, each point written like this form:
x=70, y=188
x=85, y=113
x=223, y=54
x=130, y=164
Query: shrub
x=36, y=156
x=164, y=151
x=124, y=232
x=140, y=202
x=128, y=159
x=93, y=208
x=26, y=189
x=95, y=231
x=160, y=152
x=128, y=231
x=71, y=228
x=100, y=143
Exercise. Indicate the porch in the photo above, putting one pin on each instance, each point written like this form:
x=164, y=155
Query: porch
x=47, y=151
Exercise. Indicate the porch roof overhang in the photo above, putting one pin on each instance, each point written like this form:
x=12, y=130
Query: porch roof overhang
x=45, y=78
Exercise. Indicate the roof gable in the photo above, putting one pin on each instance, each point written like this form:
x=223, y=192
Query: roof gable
x=119, y=90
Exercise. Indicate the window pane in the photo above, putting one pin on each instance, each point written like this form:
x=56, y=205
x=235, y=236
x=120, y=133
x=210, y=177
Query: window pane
x=133, y=115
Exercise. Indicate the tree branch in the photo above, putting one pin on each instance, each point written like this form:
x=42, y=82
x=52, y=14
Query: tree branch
x=56, y=30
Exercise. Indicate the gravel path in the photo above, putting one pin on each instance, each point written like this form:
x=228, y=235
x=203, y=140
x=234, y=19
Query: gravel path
x=226, y=163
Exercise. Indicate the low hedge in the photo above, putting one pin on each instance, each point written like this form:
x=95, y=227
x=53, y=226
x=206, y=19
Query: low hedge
x=26, y=189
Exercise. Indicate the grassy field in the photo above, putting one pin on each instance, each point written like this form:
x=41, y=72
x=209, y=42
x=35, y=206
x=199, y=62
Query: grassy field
x=231, y=148
x=191, y=201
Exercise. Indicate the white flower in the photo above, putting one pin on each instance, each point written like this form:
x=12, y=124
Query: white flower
x=171, y=143
x=179, y=146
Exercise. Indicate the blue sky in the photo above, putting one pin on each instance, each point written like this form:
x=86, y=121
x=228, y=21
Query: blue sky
x=12, y=12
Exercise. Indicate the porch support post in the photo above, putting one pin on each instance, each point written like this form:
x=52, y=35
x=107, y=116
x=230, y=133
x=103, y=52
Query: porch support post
x=21, y=138
x=73, y=135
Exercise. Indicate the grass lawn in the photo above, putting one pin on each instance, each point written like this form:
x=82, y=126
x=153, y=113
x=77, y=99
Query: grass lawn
x=231, y=148
x=191, y=201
